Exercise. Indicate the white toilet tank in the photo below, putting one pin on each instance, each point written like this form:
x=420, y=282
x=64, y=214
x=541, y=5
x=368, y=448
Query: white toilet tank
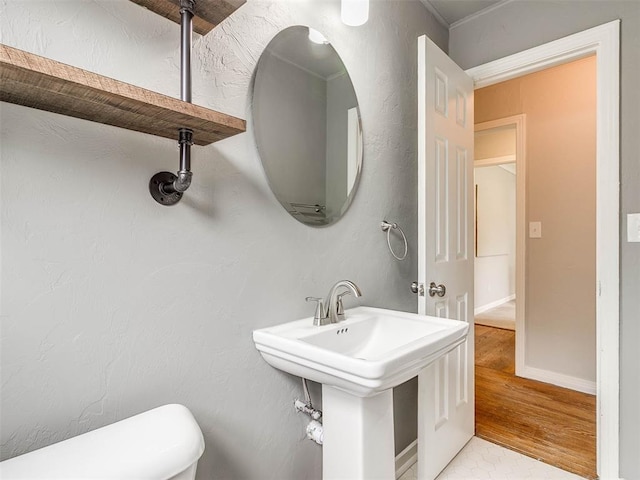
x=162, y=444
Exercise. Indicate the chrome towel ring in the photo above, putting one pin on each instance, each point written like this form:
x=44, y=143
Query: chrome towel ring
x=387, y=227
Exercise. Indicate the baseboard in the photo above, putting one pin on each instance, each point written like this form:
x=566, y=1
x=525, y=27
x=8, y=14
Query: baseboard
x=554, y=378
x=406, y=458
x=497, y=303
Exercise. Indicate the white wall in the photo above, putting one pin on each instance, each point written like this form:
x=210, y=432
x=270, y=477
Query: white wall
x=517, y=26
x=495, y=275
x=340, y=99
x=112, y=304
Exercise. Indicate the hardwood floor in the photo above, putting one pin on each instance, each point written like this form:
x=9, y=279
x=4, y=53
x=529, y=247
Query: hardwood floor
x=552, y=424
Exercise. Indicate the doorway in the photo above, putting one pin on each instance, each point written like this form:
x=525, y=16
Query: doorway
x=499, y=160
x=602, y=41
x=510, y=134
x=560, y=104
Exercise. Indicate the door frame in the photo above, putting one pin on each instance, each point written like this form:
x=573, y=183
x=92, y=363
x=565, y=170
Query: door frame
x=604, y=42
x=520, y=122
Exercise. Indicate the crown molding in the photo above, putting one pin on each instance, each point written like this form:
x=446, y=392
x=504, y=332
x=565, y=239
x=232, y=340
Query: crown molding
x=479, y=13
x=434, y=11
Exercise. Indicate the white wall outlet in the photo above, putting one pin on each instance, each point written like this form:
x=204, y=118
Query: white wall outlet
x=633, y=227
x=535, y=229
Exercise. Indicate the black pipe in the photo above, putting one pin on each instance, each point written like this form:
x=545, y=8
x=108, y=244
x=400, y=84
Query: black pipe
x=186, y=30
x=182, y=181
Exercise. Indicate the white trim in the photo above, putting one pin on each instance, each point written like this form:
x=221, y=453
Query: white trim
x=555, y=378
x=479, y=13
x=520, y=122
x=488, y=162
x=550, y=54
x=406, y=458
x=604, y=42
x=497, y=303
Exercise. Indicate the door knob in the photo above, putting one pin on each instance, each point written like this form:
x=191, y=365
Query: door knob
x=439, y=290
x=417, y=288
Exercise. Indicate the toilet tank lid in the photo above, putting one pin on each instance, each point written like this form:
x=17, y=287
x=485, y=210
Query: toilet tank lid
x=159, y=443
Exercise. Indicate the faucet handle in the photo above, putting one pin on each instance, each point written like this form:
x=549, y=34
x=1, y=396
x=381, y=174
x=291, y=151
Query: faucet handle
x=340, y=306
x=320, y=315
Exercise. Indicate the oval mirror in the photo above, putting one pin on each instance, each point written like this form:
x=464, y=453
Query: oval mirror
x=307, y=126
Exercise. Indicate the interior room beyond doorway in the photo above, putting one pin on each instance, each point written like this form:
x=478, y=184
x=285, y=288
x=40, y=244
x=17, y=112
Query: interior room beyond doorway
x=558, y=304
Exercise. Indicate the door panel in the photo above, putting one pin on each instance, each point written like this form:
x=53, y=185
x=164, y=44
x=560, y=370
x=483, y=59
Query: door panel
x=442, y=200
x=445, y=146
x=462, y=160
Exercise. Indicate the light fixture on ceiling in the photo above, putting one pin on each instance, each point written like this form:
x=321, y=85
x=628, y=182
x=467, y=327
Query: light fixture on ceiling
x=355, y=12
x=316, y=37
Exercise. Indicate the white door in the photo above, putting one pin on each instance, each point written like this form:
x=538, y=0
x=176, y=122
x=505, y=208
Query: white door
x=445, y=251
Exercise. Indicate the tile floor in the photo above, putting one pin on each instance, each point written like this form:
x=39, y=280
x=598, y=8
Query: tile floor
x=481, y=460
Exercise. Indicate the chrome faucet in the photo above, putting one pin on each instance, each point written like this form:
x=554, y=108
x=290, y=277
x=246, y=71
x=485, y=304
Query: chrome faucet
x=331, y=310
x=335, y=310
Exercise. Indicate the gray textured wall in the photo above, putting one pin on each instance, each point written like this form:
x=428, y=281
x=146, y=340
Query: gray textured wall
x=112, y=305
x=519, y=25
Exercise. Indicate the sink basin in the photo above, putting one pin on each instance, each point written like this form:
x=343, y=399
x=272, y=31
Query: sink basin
x=373, y=350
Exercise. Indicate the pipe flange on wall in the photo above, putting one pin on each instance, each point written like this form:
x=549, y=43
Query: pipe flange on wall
x=157, y=191
x=315, y=432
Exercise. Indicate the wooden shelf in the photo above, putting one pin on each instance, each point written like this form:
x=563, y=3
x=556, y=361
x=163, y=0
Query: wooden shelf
x=208, y=13
x=38, y=82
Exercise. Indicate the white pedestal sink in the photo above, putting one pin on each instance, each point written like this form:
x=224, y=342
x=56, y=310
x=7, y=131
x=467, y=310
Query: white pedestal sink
x=358, y=361
x=358, y=435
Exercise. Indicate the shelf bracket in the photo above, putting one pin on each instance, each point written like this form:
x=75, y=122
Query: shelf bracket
x=165, y=187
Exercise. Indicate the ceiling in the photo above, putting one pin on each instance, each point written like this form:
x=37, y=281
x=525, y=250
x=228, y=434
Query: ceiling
x=450, y=11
